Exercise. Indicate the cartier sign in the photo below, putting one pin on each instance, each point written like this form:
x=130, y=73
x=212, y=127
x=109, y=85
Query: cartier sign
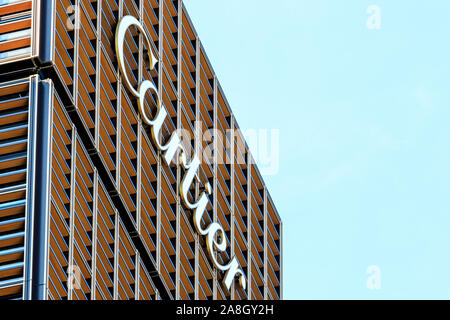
x=214, y=233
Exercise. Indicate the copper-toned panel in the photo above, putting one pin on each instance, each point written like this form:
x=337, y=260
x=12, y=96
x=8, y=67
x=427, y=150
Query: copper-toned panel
x=14, y=108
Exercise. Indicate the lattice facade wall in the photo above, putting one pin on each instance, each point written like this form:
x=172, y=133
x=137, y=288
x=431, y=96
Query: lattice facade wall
x=110, y=209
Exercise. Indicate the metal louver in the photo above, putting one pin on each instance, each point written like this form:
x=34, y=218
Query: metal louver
x=14, y=100
x=15, y=28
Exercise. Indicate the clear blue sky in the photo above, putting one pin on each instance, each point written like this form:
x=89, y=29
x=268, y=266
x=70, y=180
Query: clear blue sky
x=364, y=119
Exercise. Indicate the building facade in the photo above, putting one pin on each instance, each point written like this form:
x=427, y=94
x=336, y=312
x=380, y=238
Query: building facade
x=93, y=202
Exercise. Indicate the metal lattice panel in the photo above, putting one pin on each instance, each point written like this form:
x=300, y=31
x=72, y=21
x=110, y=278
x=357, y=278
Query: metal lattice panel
x=117, y=228
x=14, y=107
